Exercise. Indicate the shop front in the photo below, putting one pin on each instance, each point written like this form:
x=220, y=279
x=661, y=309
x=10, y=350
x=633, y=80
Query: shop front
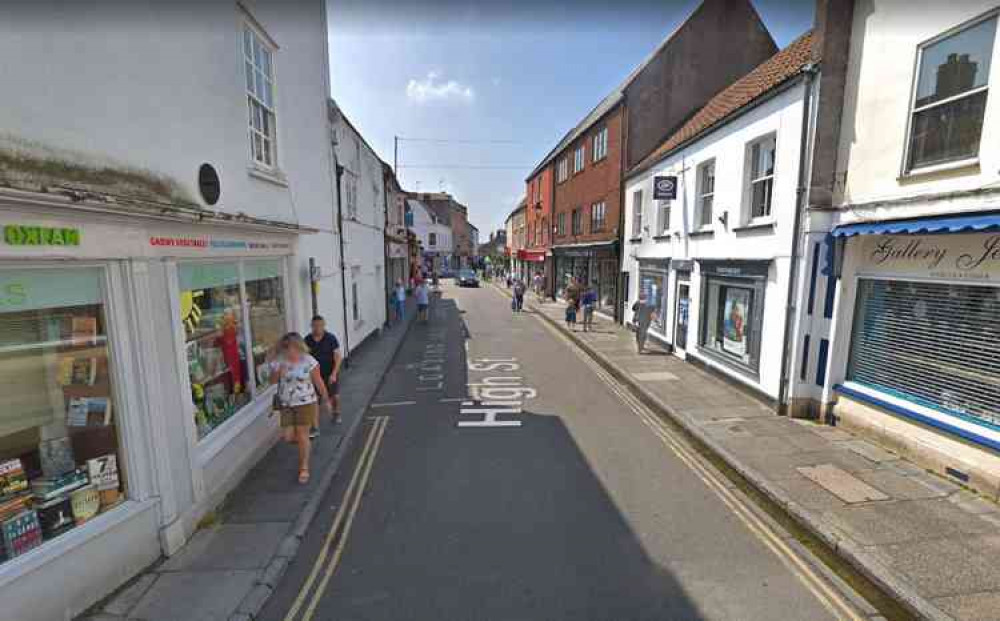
x=128, y=357
x=595, y=265
x=918, y=342
x=731, y=313
x=654, y=279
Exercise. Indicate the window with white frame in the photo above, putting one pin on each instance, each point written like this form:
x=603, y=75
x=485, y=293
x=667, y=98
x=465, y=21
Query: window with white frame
x=949, y=101
x=597, y=217
x=561, y=224
x=258, y=62
x=351, y=195
x=637, y=213
x=355, y=301
x=600, y=147
x=706, y=193
x=578, y=157
x=761, y=154
x=663, y=217
x=562, y=170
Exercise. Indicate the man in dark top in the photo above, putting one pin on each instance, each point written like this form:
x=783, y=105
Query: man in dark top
x=324, y=347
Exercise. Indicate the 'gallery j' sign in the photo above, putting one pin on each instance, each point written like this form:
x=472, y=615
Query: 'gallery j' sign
x=975, y=256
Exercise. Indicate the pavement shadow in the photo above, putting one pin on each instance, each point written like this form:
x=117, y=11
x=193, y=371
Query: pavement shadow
x=493, y=523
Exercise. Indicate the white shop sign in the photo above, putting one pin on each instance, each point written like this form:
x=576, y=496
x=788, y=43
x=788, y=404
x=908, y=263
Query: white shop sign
x=973, y=257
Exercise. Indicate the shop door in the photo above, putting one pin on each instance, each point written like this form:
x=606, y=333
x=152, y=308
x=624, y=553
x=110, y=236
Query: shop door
x=681, y=317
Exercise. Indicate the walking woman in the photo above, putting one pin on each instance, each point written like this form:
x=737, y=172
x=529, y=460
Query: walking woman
x=300, y=390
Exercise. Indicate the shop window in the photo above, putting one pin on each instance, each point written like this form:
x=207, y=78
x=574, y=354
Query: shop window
x=654, y=285
x=60, y=463
x=934, y=344
x=949, y=103
x=266, y=303
x=706, y=193
x=432, y=239
x=761, y=154
x=731, y=320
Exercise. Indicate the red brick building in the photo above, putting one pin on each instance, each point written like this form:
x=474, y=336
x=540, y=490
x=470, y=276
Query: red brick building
x=718, y=43
x=537, y=252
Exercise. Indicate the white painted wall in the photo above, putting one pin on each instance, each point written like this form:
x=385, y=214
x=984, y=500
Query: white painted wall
x=425, y=223
x=727, y=144
x=881, y=79
x=363, y=204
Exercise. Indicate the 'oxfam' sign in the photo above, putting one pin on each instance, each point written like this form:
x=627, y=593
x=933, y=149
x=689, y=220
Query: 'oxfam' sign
x=20, y=235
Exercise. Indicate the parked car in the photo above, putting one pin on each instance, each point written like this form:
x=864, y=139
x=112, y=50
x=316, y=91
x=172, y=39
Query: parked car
x=467, y=278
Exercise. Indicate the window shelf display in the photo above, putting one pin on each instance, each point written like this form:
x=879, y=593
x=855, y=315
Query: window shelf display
x=58, y=431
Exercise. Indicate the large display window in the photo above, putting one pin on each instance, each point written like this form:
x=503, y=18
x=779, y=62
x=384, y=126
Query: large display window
x=933, y=344
x=732, y=317
x=232, y=314
x=60, y=464
x=654, y=284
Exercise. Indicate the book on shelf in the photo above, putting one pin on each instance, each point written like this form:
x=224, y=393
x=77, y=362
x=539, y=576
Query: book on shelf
x=12, y=506
x=21, y=533
x=84, y=330
x=56, y=456
x=89, y=412
x=13, y=479
x=77, y=371
x=47, y=488
x=103, y=472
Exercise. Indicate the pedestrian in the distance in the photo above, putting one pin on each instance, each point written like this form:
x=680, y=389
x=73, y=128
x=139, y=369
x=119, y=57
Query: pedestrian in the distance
x=325, y=348
x=300, y=391
x=643, y=315
x=399, y=301
x=589, y=302
x=423, y=300
x=518, y=296
x=537, y=282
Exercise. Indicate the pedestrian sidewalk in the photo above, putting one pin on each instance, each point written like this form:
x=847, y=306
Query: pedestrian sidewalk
x=927, y=542
x=227, y=571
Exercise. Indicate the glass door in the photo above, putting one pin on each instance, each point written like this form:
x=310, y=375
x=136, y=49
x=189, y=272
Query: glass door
x=681, y=317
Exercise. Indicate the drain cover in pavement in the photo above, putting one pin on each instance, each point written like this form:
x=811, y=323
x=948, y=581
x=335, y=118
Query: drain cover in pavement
x=841, y=484
x=655, y=376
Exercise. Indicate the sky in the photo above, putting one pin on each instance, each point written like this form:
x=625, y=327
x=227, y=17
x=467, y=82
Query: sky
x=479, y=91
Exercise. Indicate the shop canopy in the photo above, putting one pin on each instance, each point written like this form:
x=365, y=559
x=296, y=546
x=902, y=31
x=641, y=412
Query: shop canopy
x=941, y=224
x=532, y=256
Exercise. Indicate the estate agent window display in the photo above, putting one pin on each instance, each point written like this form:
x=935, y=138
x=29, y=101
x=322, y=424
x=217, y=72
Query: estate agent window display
x=59, y=442
x=732, y=315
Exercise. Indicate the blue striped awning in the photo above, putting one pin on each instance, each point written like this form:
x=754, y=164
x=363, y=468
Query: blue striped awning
x=942, y=224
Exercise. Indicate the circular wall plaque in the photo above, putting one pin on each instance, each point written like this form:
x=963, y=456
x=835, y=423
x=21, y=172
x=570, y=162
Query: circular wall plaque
x=208, y=184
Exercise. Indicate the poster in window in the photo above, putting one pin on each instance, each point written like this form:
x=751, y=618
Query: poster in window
x=734, y=322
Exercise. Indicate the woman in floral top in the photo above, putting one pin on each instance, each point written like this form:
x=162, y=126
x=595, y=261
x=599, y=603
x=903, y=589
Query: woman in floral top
x=300, y=389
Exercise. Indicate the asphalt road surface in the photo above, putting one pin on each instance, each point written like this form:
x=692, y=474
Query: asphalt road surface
x=499, y=476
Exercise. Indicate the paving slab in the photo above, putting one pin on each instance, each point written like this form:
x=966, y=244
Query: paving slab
x=983, y=606
x=870, y=451
x=127, y=598
x=971, y=565
x=229, y=546
x=194, y=596
x=656, y=376
x=899, y=486
x=841, y=484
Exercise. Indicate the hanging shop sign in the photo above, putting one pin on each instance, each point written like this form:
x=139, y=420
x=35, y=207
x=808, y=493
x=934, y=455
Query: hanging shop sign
x=28, y=235
x=665, y=187
x=956, y=256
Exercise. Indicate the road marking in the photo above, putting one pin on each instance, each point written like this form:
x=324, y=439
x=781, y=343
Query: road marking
x=365, y=461
x=453, y=399
x=833, y=601
x=392, y=404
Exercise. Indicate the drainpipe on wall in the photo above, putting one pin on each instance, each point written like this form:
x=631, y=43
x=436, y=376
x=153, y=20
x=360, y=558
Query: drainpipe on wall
x=801, y=202
x=343, y=270
x=385, y=248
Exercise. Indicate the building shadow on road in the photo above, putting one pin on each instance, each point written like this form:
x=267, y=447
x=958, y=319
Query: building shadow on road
x=495, y=523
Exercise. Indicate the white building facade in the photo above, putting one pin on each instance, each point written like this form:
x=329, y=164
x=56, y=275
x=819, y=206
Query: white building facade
x=715, y=262
x=152, y=252
x=915, y=355
x=433, y=235
x=362, y=211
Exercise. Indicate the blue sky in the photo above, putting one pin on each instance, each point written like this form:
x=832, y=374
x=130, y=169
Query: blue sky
x=507, y=82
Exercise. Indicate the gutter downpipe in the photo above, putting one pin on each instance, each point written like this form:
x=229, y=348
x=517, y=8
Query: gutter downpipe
x=385, y=248
x=801, y=200
x=343, y=271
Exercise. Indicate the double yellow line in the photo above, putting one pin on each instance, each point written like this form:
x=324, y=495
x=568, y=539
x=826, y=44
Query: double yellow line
x=830, y=598
x=345, y=517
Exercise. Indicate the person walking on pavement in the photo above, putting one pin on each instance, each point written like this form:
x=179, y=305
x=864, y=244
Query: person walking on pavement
x=572, y=302
x=300, y=391
x=423, y=300
x=518, y=296
x=399, y=301
x=325, y=348
x=589, y=302
x=643, y=315
x=537, y=285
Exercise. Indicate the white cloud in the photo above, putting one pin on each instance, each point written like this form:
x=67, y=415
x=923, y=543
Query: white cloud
x=432, y=89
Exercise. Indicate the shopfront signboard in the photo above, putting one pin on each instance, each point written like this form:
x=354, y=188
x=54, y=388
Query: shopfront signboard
x=974, y=257
x=30, y=235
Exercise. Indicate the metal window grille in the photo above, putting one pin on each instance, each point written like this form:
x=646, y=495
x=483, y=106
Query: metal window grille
x=933, y=344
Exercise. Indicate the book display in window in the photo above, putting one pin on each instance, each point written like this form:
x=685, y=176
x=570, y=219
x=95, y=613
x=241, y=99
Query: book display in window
x=59, y=461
